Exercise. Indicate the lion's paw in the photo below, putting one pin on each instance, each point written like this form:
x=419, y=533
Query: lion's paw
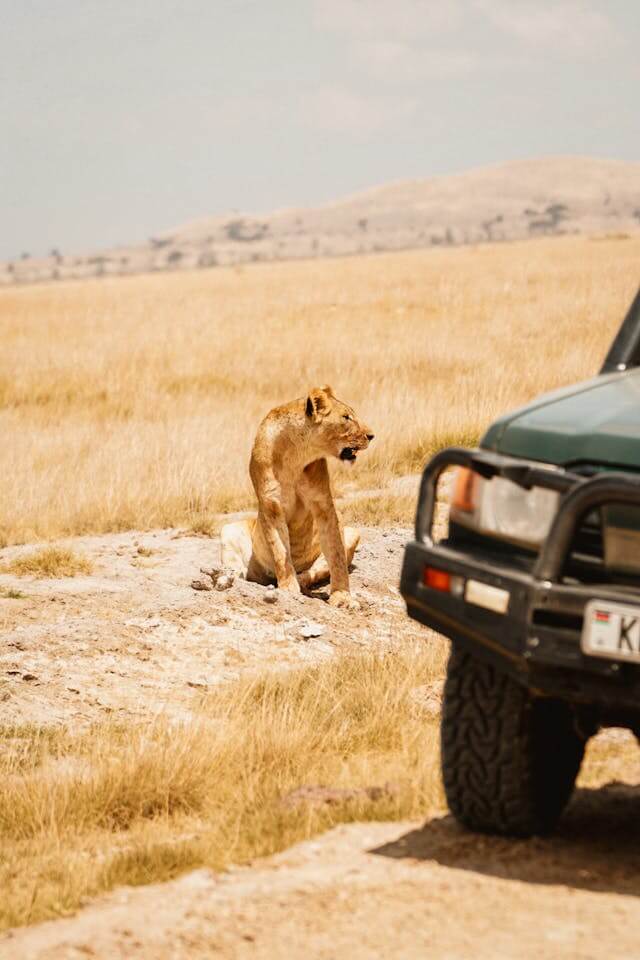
x=344, y=600
x=289, y=586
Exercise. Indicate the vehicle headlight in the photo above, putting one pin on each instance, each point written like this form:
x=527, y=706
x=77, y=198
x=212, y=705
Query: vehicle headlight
x=503, y=509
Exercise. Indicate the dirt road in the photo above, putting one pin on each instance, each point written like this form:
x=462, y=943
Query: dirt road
x=386, y=890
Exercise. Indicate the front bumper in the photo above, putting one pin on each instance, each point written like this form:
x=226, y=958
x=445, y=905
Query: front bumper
x=537, y=638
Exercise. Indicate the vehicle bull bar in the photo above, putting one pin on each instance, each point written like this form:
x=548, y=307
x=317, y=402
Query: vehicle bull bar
x=537, y=638
x=580, y=496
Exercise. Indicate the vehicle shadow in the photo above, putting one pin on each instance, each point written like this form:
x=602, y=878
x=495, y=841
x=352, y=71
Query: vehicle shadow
x=595, y=847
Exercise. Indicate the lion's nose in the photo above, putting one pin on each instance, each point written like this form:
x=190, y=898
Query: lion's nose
x=370, y=436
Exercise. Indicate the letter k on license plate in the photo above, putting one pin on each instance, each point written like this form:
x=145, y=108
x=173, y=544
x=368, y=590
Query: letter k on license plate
x=611, y=630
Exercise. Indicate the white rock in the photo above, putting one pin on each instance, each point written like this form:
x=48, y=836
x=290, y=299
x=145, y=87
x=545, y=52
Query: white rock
x=311, y=630
x=224, y=581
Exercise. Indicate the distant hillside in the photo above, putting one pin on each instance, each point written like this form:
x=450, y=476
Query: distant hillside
x=512, y=201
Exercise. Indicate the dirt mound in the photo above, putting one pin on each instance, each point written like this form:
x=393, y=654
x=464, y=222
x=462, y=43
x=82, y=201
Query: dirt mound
x=135, y=638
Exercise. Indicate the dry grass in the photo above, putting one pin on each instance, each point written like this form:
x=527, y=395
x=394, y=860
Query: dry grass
x=81, y=813
x=133, y=402
x=48, y=562
x=380, y=509
x=610, y=760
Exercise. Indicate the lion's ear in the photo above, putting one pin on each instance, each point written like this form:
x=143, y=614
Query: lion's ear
x=317, y=405
x=328, y=390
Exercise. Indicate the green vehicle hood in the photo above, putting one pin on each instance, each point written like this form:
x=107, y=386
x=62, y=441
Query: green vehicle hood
x=595, y=422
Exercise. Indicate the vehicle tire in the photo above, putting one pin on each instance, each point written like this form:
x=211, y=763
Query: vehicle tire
x=509, y=759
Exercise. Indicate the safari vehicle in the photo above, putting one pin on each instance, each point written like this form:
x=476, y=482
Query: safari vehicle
x=537, y=584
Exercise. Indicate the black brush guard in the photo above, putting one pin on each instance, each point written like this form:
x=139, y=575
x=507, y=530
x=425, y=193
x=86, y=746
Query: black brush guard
x=538, y=639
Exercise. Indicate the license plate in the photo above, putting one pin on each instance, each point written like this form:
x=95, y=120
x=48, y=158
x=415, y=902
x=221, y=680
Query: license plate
x=611, y=630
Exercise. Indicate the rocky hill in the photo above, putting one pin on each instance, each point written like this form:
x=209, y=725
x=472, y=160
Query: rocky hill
x=511, y=201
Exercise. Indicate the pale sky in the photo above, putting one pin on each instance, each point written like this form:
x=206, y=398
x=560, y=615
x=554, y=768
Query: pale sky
x=123, y=118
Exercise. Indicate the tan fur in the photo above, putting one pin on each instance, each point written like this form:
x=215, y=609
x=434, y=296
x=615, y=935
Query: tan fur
x=297, y=538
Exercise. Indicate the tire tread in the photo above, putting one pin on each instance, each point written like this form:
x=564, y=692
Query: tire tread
x=509, y=760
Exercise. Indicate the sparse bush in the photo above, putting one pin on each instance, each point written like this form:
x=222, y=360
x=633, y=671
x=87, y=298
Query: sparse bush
x=241, y=231
x=11, y=594
x=208, y=259
x=174, y=258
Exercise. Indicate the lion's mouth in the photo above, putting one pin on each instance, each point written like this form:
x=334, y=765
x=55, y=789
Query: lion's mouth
x=348, y=453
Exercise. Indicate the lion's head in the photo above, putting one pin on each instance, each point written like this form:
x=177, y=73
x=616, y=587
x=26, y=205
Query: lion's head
x=338, y=430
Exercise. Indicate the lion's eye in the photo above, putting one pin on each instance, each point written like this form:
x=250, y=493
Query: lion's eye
x=345, y=416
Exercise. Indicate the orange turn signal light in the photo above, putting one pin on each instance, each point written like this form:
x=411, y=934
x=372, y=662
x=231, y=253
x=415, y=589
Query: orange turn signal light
x=443, y=581
x=437, y=579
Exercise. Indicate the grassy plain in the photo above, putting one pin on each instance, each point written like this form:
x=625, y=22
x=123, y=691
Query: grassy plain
x=82, y=812
x=133, y=402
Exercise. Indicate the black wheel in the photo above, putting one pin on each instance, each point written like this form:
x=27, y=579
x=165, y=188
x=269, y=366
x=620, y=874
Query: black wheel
x=509, y=760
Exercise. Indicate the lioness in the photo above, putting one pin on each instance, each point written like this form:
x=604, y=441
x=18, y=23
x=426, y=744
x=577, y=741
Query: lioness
x=297, y=537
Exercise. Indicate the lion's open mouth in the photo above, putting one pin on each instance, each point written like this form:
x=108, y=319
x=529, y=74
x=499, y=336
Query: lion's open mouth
x=348, y=453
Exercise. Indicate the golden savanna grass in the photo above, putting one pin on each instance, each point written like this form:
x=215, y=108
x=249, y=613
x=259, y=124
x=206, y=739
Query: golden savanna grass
x=380, y=509
x=133, y=402
x=48, y=562
x=81, y=813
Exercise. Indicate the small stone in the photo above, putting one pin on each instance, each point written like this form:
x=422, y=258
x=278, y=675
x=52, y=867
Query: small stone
x=201, y=585
x=29, y=676
x=224, y=581
x=310, y=630
x=220, y=579
x=271, y=595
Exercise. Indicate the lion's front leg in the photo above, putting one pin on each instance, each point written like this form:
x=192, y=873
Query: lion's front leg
x=273, y=524
x=331, y=541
